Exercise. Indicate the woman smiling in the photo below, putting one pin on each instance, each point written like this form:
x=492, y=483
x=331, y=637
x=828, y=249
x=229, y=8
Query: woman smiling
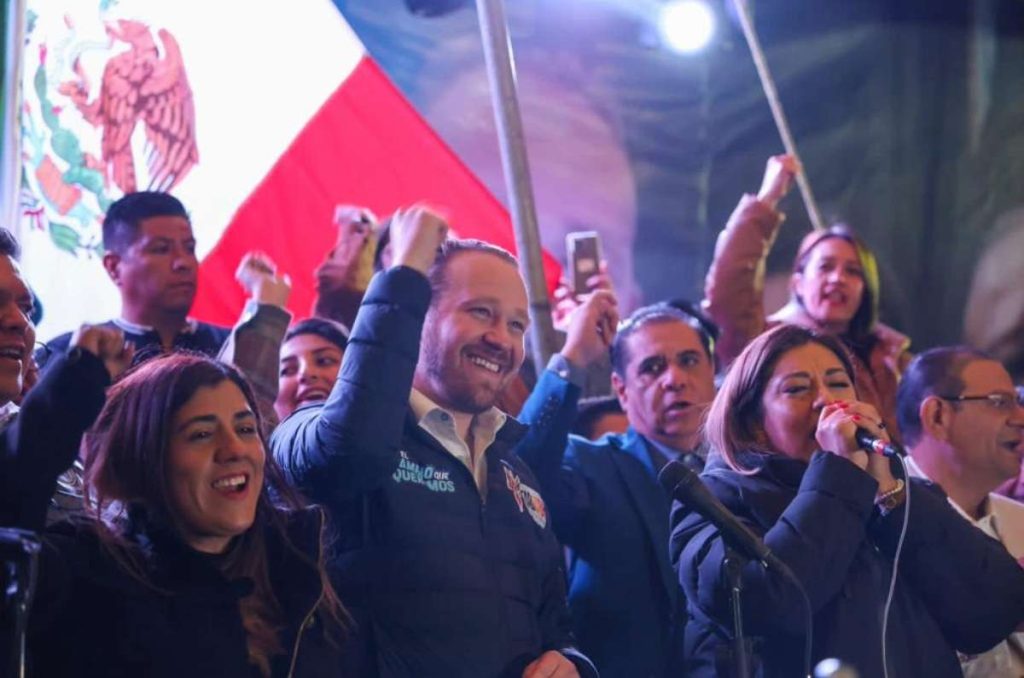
x=185, y=566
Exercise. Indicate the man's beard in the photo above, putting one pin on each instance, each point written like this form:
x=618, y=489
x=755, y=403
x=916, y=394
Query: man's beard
x=449, y=383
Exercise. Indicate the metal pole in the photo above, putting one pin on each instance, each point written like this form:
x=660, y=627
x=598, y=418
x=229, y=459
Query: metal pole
x=509, y=122
x=733, y=567
x=10, y=134
x=768, y=84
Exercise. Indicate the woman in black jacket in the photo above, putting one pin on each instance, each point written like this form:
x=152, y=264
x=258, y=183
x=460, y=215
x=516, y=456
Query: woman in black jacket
x=185, y=567
x=786, y=462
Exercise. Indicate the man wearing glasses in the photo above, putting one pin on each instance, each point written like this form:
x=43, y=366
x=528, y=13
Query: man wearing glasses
x=964, y=428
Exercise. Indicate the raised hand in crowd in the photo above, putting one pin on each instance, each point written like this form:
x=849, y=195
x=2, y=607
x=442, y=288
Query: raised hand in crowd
x=345, y=274
x=107, y=344
x=357, y=239
x=257, y=274
x=591, y=328
x=566, y=300
x=254, y=345
x=834, y=289
x=779, y=175
x=551, y=664
x=416, y=233
x=30, y=368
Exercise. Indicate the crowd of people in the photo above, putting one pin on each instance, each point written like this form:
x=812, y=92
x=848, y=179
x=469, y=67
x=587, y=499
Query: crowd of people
x=382, y=488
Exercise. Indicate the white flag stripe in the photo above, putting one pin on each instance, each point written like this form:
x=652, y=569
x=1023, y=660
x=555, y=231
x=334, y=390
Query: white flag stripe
x=258, y=72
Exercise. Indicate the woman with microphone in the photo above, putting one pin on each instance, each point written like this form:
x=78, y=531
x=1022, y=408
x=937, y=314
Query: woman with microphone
x=784, y=458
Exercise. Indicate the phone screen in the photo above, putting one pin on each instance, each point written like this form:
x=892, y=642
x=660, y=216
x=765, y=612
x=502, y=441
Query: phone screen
x=583, y=249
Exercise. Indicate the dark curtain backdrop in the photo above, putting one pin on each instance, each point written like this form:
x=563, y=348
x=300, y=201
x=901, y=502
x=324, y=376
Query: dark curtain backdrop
x=908, y=115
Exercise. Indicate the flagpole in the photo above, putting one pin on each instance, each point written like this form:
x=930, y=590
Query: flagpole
x=512, y=143
x=768, y=85
x=10, y=134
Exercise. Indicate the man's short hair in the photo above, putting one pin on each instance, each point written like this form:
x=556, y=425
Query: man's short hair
x=450, y=248
x=589, y=412
x=125, y=216
x=8, y=245
x=661, y=312
x=936, y=372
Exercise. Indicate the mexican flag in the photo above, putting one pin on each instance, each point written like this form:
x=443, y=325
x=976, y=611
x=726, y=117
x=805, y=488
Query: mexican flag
x=260, y=116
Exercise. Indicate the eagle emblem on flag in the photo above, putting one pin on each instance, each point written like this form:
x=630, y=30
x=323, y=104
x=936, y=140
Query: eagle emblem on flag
x=90, y=134
x=141, y=87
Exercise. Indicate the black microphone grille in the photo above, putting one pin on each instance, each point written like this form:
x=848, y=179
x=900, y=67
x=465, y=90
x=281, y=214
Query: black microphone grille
x=673, y=474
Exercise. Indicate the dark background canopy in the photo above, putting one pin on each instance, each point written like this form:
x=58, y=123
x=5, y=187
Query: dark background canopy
x=907, y=114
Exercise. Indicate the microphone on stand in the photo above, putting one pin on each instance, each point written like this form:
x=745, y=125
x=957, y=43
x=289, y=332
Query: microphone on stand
x=686, y=486
x=873, y=443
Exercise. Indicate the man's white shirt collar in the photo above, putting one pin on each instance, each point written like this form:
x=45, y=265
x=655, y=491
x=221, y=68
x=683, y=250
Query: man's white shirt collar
x=440, y=424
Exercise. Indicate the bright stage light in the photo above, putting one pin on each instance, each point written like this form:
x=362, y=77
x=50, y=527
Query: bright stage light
x=686, y=25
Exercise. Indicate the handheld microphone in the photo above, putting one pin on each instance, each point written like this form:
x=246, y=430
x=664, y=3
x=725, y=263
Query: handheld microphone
x=686, y=486
x=873, y=443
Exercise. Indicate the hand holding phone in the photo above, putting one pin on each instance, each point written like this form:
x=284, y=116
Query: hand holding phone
x=583, y=250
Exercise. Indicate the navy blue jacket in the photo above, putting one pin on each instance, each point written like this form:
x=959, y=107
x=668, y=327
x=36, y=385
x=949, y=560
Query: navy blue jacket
x=441, y=581
x=43, y=439
x=957, y=589
x=608, y=508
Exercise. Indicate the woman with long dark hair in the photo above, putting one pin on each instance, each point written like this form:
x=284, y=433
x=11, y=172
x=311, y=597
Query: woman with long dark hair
x=184, y=566
x=785, y=460
x=834, y=289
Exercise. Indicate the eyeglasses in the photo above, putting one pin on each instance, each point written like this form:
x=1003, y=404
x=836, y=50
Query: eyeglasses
x=1004, y=402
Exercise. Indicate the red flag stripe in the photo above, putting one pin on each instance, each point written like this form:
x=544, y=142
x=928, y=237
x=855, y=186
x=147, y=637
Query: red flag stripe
x=368, y=146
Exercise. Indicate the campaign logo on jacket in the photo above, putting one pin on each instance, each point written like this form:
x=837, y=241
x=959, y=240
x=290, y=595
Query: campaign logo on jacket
x=434, y=479
x=527, y=499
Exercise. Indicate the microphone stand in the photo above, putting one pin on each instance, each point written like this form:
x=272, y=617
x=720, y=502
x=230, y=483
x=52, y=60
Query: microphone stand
x=742, y=653
x=19, y=560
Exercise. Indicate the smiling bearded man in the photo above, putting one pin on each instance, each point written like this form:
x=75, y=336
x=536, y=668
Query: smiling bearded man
x=473, y=334
x=446, y=558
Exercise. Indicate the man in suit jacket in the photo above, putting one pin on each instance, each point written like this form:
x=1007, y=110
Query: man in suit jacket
x=604, y=498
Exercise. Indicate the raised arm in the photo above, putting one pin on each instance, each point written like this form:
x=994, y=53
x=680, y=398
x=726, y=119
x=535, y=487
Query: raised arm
x=734, y=286
x=342, y=279
x=254, y=346
x=551, y=410
x=350, y=444
x=43, y=439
